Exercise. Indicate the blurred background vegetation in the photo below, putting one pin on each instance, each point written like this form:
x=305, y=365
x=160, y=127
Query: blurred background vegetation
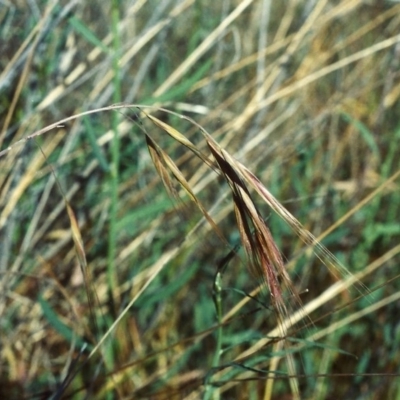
x=304, y=93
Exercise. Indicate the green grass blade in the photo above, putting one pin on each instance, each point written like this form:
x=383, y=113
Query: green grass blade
x=87, y=34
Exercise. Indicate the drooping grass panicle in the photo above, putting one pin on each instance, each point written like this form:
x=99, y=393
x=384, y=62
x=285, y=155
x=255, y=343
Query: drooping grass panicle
x=337, y=269
x=265, y=259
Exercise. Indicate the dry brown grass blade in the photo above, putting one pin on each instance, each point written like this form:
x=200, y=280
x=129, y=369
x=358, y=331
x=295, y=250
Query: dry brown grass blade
x=87, y=278
x=76, y=236
x=202, y=48
x=35, y=164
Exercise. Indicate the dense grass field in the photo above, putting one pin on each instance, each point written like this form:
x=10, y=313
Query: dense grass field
x=200, y=199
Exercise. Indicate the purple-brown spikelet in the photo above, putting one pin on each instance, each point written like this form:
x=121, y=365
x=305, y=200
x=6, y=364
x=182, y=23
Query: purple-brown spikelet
x=264, y=256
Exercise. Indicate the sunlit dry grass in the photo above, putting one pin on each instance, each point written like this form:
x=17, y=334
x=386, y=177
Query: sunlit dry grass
x=188, y=258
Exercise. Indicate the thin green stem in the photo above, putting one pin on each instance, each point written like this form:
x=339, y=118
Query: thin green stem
x=115, y=151
x=210, y=390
